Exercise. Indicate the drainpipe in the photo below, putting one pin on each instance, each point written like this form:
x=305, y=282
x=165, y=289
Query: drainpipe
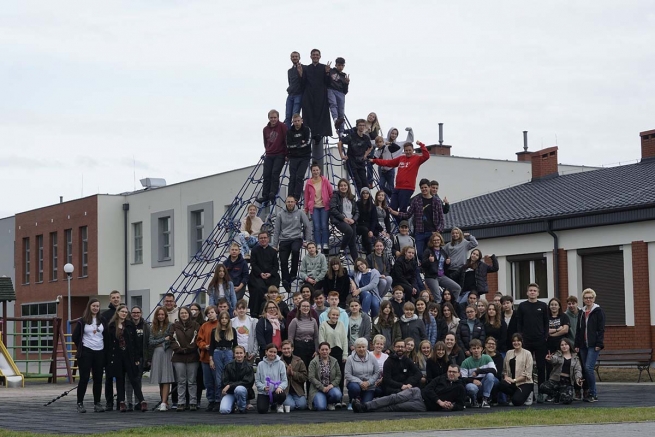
x=126, y=208
x=549, y=227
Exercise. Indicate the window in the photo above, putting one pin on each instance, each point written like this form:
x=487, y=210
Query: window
x=39, y=247
x=526, y=269
x=54, y=260
x=197, y=227
x=84, y=251
x=137, y=232
x=137, y=301
x=37, y=335
x=69, y=246
x=602, y=271
x=26, y=260
x=165, y=238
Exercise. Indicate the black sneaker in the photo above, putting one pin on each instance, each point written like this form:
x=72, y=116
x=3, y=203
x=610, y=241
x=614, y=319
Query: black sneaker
x=359, y=407
x=80, y=408
x=474, y=402
x=210, y=407
x=130, y=407
x=261, y=200
x=98, y=408
x=109, y=406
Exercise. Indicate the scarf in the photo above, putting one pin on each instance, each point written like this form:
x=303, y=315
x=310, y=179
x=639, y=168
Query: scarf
x=275, y=323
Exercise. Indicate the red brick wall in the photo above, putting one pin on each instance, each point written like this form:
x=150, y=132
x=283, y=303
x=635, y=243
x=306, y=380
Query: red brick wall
x=647, y=144
x=544, y=162
x=437, y=149
x=57, y=218
x=563, y=273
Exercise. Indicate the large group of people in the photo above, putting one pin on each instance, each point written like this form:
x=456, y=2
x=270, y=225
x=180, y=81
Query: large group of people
x=397, y=320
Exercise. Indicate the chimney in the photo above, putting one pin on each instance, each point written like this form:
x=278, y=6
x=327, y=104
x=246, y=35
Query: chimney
x=441, y=148
x=524, y=156
x=544, y=164
x=647, y=145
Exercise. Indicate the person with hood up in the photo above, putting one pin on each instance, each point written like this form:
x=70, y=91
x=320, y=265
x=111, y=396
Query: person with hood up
x=275, y=136
x=291, y=224
x=271, y=381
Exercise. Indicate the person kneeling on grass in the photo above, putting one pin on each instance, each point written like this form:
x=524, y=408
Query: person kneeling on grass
x=238, y=378
x=445, y=393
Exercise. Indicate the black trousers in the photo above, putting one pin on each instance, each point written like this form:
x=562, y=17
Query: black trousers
x=264, y=401
x=349, y=238
x=357, y=170
x=272, y=168
x=289, y=248
x=540, y=350
x=258, y=288
x=121, y=368
x=297, y=170
x=518, y=394
x=90, y=363
x=367, y=244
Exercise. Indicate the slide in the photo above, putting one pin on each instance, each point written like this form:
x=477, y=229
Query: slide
x=8, y=370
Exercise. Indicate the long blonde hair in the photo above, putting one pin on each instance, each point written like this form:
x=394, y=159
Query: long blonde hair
x=157, y=326
x=248, y=222
x=228, y=335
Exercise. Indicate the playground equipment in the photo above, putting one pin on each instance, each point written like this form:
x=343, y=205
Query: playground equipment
x=10, y=376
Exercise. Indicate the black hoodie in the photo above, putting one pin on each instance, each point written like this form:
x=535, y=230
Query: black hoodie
x=399, y=371
x=299, y=142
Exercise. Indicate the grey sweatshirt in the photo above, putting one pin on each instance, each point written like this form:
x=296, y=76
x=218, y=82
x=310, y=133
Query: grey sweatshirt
x=276, y=370
x=289, y=226
x=313, y=266
x=362, y=369
x=458, y=253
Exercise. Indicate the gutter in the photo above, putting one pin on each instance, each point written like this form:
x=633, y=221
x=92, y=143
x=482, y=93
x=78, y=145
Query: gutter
x=549, y=227
x=126, y=208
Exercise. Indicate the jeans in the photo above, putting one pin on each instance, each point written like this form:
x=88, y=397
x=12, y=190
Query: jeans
x=294, y=103
x=240, y=396
x=273, y=166
x=297, y=170
x=422, y=239
x=186, y=380
x=349, y=238
x=488, y=382
x=588, y=356
x=321, y=228
x=357, y=171
x=400, y=200
x=210, y=382
x=90, y=363
x=370, y=303
x=321, y=400
x=384, y=286
x=289, y=248
x=337, y=101
x=355, y=391
x=296, y=402
x=445, y=282
x=246, y=243
x=221, y=358
x=387, y=180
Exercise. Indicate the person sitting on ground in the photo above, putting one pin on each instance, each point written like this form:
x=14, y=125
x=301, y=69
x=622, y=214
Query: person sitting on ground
x=250, y=227
x=299, y=153
x=445, y=393
x=336, y=279
x=517, y=373
x=291, y=225
x=367, y=224
x=400, y=372
x=297, y=377
x=270, y=328
x=265, y=266
x=359, y=147
x=566, y=372
x=271, y=381
x=344, y=215
x=381, y=262
x=222, y=286
x=359, y=323
x=386, y=325
x=434, y=264
x=469, y=329
x=324, y=376
x=411, y=325
x=455, y=354
x=364, y=286
x=437, y=364
x=361, y=372
x=238, y=379
x=313, y=266
x=408, y=166
x=334, y=302
x=275, y=134
x=479, y=372
x=238, y=269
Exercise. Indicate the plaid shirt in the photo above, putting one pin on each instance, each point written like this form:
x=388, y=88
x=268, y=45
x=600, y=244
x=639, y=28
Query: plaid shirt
x=416, y=210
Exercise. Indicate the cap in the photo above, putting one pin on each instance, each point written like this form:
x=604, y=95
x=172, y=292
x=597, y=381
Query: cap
x=404, y=223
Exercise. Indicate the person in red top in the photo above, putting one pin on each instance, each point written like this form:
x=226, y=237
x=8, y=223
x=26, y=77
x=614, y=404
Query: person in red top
x=408, y=165
x=275, y=143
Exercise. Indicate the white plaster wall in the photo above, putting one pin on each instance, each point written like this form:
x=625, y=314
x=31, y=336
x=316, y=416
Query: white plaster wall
x=110, y=244
x=628, y=285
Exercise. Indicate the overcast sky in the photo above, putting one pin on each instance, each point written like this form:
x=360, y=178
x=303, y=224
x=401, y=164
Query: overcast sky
x=93, y=92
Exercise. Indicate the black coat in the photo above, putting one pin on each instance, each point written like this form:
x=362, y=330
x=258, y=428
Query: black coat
x=133, y=349
x=481, y=271
x=464, y=334
x=431, y=269
x=265, y=260
x=595, y=328
x=315, y=107
x=264, y=334
x=500, y=334
x=398, y=372
x=368, y=218
x=337, y=283
x=243, y=375
x=336, y=209
x=442, y=387
x=404, y=272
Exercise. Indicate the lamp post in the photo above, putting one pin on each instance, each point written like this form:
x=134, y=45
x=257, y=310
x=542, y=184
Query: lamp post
x=68, y=269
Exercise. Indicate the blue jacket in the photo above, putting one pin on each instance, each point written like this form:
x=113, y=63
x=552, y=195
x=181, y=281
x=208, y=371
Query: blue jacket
x=238, y=270
x=230, y=295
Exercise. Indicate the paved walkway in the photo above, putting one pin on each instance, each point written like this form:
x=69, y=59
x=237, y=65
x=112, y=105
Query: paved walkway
x=23, y=410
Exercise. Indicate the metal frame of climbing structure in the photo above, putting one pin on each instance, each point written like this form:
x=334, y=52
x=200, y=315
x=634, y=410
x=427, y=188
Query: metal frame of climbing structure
x=193, y=280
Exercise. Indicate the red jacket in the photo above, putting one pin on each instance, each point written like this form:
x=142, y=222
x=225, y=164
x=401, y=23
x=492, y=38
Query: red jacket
x=275, y=139
x=407, y=167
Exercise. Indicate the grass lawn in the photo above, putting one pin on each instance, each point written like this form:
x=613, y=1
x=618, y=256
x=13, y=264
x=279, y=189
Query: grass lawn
x=371, y=423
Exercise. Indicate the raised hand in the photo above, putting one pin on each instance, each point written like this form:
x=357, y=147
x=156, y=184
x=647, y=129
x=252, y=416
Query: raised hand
x=299, y=68
x=445, y=200
x=328, y=66
x=347, y=78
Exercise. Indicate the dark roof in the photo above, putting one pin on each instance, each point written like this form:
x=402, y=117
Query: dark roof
x=7, y=292
x=589, y=192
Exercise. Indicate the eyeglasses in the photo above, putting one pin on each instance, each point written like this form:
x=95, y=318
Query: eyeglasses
x=136, y=312
x=588, y=298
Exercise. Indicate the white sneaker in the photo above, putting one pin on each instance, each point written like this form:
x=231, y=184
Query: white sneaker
x=528, y=402
x=330, y=407
x=163, y=407
x=280, y=409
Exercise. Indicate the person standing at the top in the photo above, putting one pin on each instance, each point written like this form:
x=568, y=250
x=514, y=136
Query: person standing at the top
x=408, y=165
x=337, y=90
x=275, y=143
x=299, y=146
x=315, y=109
x=294, y=91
